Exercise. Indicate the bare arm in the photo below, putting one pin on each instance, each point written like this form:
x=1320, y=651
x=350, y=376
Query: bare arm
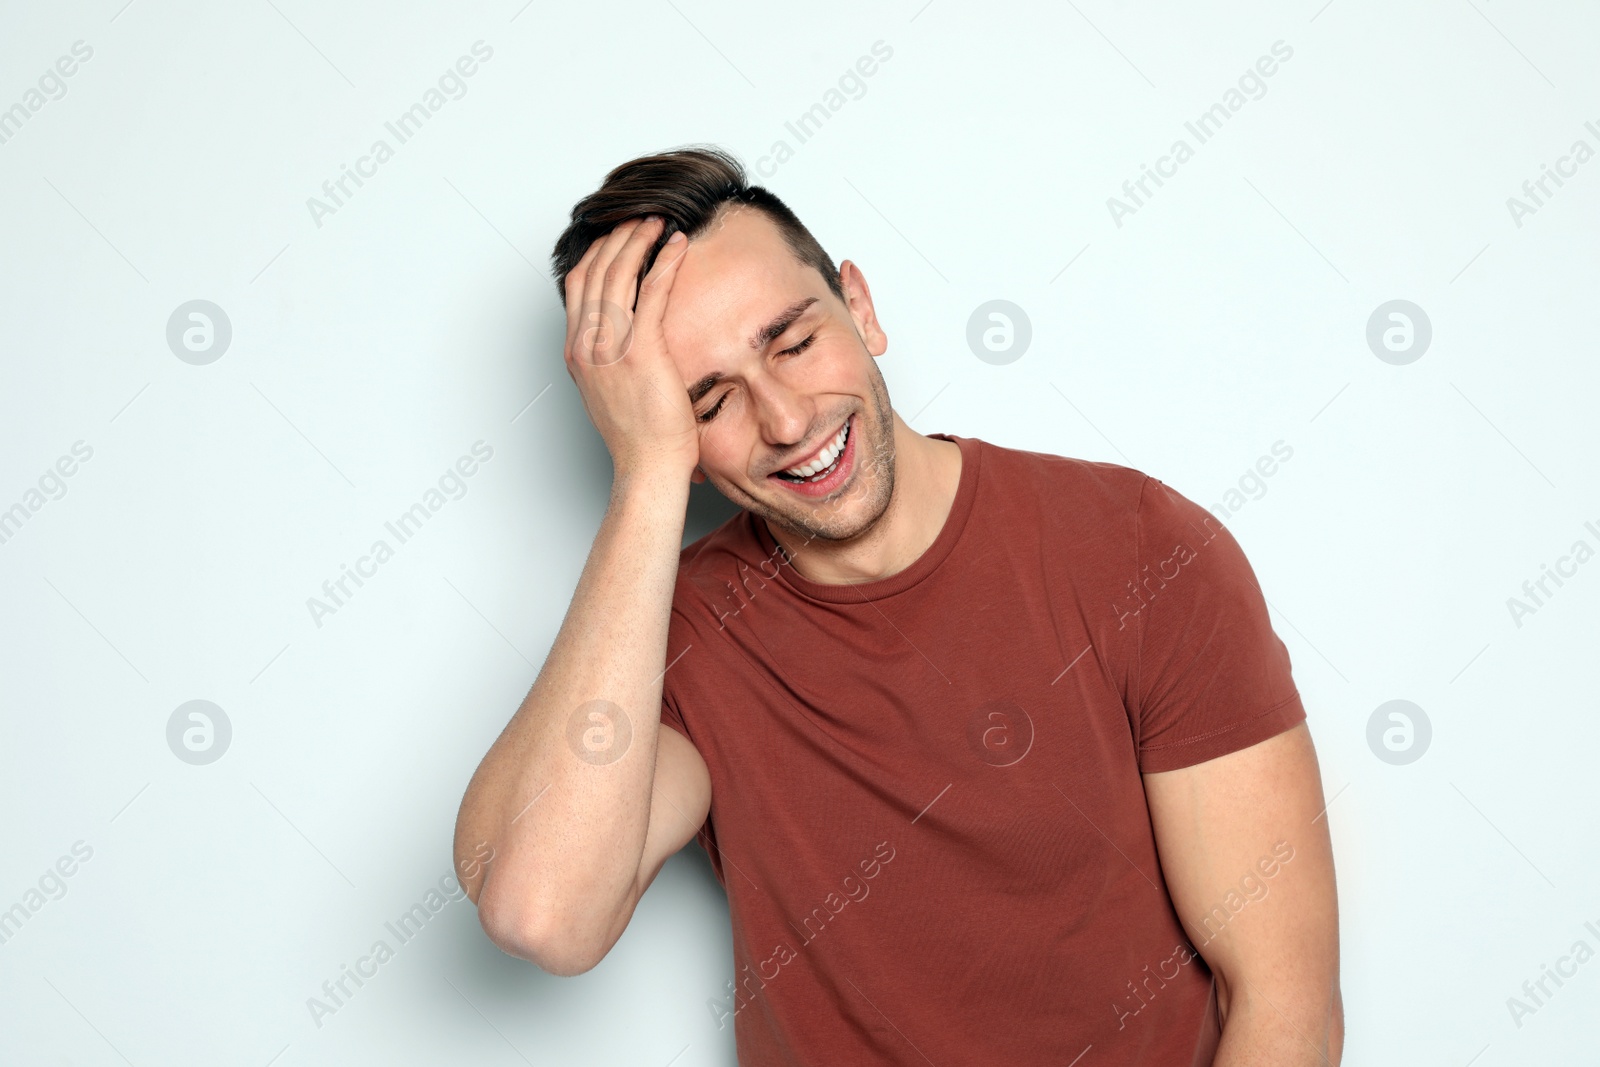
x=1244, y=846
x=565, y=794
x=583, y=796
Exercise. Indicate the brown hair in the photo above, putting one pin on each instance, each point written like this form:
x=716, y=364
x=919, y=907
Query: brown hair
x=687, y=187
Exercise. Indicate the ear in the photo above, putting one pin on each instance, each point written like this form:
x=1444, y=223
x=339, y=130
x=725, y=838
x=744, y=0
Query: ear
x=858, y=298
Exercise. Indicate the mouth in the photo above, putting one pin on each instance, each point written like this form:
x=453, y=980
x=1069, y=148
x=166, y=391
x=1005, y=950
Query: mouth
x=824, y=479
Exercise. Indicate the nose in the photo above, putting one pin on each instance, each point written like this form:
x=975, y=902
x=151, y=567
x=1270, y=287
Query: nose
x=784, y=415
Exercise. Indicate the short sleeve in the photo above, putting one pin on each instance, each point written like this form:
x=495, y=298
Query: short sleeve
x=679, y=640
x=671, y=716
x=1211, y=675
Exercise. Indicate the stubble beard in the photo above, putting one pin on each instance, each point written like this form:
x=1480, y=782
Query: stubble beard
x=868, y=493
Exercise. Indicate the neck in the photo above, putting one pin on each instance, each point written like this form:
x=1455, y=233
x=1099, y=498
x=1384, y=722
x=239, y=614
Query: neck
x=927, y=473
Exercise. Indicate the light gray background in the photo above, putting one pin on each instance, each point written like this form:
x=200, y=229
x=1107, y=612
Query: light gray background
x=368, y=353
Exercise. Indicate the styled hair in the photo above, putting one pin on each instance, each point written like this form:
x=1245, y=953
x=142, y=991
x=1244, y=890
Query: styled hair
x=687, y=187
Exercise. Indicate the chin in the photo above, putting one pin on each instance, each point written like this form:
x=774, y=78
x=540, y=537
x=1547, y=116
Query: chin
x=841, y=519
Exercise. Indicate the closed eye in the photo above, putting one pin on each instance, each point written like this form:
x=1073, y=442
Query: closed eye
x=801, y=347
x=795, y=351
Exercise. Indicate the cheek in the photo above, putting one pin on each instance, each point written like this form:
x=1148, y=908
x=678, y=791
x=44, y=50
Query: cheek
x=725, y=448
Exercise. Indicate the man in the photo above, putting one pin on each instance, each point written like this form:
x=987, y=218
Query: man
x=995, y=752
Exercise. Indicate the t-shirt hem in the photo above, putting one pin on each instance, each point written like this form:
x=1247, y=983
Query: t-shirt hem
x=675, y=725
x=1177, y=755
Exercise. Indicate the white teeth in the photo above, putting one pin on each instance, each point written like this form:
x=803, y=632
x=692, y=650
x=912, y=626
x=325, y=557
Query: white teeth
x=824, y=458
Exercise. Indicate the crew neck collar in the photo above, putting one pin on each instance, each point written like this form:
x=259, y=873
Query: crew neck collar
x=920, y=568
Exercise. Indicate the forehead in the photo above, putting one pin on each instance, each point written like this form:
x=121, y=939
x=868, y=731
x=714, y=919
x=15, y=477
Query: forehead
x=734, y=278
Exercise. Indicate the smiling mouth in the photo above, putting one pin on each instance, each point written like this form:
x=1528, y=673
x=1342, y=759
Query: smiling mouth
x=836, y=447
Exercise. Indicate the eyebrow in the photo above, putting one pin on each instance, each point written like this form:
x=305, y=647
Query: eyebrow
x=759, y=340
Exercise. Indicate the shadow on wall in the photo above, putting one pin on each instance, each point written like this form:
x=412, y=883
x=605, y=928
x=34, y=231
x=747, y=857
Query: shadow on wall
x=708, y=509
x=679, y=942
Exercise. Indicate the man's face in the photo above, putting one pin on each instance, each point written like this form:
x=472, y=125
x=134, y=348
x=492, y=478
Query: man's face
x=780, y=400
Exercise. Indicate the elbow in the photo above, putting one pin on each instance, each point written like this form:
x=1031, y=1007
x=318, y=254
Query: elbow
x=523, y=932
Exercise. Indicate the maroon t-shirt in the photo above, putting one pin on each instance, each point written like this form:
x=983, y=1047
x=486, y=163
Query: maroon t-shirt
x=926, y=803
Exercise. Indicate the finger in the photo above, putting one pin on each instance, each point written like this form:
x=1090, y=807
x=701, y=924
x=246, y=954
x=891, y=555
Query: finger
x=621, y=279
x=576, y=279
x=612, y=310
x=600, y=254
x=600, y=266
x=658, y=283
x=580, y=270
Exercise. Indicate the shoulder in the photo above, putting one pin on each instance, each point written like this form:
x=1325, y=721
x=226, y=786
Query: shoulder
x=709, y=566
x=1093, y=489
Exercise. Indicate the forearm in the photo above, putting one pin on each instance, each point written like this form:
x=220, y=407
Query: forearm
x=564, y=802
